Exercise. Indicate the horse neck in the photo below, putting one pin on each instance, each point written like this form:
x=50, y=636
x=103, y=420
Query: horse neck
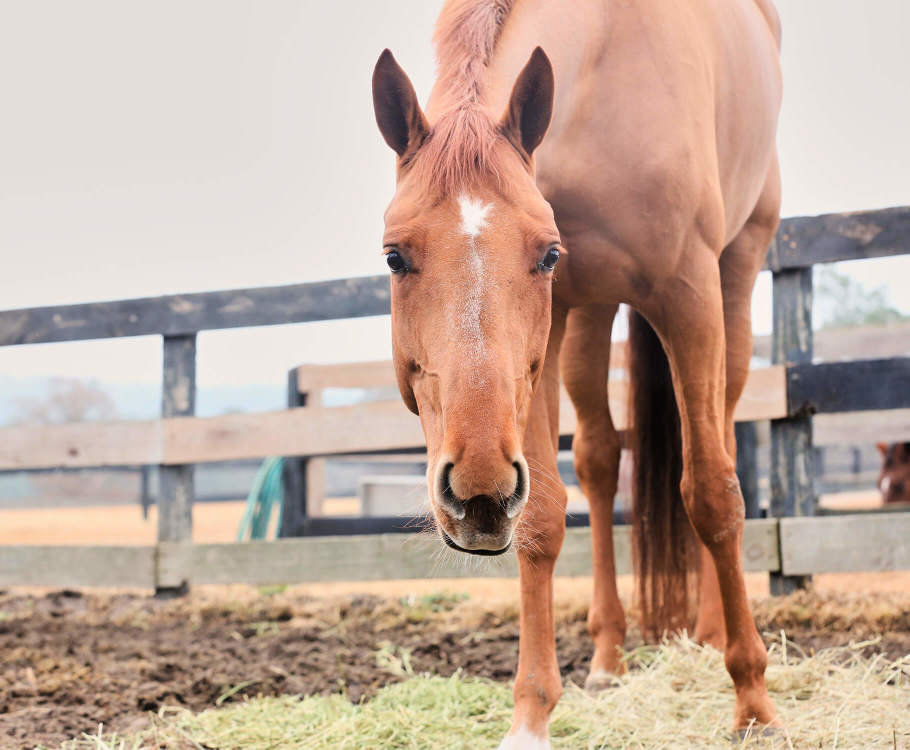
x=466, y=35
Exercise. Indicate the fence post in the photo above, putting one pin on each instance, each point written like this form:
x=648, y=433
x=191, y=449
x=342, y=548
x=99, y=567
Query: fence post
x=747, y=465
x=792, y=488
x=175, y=482
x=294, y=475
x=145, y=496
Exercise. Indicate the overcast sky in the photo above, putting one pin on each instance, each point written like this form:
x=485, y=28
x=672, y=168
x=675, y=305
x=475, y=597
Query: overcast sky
x=151, y=148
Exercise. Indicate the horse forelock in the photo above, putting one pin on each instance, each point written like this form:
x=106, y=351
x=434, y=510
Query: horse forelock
x=461, y=147
x=460, y=151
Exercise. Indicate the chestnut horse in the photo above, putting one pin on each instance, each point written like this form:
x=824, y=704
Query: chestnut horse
x=657, y=185
x=894, y=479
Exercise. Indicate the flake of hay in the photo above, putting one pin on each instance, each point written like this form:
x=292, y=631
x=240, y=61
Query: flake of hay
x=676, y=695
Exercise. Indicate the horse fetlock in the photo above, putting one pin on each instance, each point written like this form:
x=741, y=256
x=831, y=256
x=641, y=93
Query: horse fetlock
x=536, y=696
x=607, y=626
x=746, y=661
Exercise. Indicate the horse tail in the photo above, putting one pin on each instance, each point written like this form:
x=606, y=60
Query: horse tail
x=664, y=546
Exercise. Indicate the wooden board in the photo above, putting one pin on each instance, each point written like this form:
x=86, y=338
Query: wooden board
x=82, y=444
x=314, y=559
x=803, y=241
x=371, y=427
x=401, y=556
x=58, y=565
x=180, y=314
x=305, y=432
x=861, y=427
x=381, y=373
x=854, y=385
x=845, y=544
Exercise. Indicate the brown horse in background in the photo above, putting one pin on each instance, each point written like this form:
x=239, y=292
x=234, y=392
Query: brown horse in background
x=894, y=478
x=657, y=186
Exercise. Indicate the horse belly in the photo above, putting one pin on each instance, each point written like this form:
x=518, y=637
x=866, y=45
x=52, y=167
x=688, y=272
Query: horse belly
x=748, y=105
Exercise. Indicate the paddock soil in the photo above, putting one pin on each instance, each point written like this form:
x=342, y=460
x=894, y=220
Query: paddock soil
x=72, y=659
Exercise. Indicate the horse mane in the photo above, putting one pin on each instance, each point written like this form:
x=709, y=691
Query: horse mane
x=461, y=144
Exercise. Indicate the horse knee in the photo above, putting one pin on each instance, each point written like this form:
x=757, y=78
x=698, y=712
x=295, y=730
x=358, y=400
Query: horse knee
x=715, y=505
x=746, y=659
x=542, y=527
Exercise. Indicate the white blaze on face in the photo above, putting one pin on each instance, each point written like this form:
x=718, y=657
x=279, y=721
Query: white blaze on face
x=473, y=220
x=885, y=485
x=473, y=215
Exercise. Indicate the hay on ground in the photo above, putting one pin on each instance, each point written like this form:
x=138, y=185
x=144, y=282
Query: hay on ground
x=676, y=695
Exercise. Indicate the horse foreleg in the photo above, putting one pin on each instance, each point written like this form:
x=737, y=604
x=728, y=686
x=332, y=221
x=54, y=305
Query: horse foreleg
x=585, y=366
x=689, y=317
x=539, y=538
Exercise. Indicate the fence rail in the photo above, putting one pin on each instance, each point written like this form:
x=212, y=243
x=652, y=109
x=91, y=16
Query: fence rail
x=789, y=546
x=787, y=393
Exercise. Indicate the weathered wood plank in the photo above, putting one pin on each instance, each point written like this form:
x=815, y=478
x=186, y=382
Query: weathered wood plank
x=856, y=385
x=348, y=429
x=400, y=556
x=792, y=488
x=312, y=559
x=845, y=544
x=803, y=241
x=59, y=565
x=381, y=373
x=764, y=397
x=178, y=399
x=294, y=510
x=181, y=314
x=82, y=444
x=856, y=428
x=304, y=431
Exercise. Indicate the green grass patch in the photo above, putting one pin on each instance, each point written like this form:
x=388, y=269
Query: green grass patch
x=676, y=696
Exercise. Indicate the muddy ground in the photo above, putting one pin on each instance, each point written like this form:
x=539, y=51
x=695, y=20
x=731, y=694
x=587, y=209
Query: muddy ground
x=70, y=660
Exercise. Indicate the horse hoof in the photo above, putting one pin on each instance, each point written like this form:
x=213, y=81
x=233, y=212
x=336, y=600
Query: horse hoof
x=756, y=734
x=601, y=680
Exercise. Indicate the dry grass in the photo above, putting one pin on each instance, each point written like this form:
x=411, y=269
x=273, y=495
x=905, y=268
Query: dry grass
x=676, y=695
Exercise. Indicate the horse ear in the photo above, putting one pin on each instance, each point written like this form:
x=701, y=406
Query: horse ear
x=400, y=119
x=882, y=448
x=531, y=104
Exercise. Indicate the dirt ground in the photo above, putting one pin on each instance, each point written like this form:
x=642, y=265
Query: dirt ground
x=73, y=659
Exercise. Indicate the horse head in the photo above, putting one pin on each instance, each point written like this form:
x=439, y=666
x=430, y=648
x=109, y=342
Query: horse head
x=894, y=480
x=472, y=246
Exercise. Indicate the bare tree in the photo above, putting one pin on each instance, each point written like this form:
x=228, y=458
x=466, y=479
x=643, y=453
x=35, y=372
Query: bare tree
x=67, y=400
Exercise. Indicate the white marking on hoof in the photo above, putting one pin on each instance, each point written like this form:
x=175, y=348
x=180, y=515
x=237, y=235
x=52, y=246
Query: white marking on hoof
x=525, y=740
x=473, y=215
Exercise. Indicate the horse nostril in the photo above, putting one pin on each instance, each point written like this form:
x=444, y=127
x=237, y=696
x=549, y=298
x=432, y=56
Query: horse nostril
x=450, y=504
x=516, y=501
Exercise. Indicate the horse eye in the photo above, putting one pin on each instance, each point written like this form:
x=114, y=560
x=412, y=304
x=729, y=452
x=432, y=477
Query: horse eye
x=396, y=262
x=549, y=260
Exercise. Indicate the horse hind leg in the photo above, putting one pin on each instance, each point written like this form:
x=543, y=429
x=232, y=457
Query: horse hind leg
x=689, y=317
x=585, y=366
x=740, y=264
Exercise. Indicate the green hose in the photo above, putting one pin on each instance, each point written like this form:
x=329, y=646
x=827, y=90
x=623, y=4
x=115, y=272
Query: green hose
x=267, y=493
